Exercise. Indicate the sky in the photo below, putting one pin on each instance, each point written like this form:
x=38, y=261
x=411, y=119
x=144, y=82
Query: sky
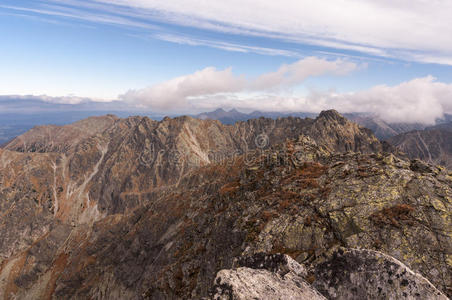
x=390, y=58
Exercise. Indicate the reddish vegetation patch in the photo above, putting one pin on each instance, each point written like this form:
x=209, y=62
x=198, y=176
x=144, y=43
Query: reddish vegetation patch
x=286, y=195
x=278, y=247
x=59, y=265
x=225, y=169
x=309, y=183
x=285, y=204
x=308, y=173
x=393, y=215
x=312, y=170
x=229, y=188
x=268, y=215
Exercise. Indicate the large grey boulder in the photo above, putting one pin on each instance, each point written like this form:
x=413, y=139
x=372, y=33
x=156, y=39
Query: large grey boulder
x=264, y=277
x=341, y=274
x=367, y=274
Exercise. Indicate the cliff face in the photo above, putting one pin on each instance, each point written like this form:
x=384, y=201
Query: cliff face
x=142, y=208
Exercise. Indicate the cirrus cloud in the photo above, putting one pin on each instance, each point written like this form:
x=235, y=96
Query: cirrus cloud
x=413, y=30
x=384, y=28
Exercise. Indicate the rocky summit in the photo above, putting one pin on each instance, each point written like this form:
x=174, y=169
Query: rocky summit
x=288, y=208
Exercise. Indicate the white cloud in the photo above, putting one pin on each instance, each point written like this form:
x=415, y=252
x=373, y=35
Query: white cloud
x=175, y=93
x=292, y=74
x=408, y=29
x=419, y=100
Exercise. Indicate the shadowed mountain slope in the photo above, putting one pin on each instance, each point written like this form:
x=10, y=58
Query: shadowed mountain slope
x=433, y=144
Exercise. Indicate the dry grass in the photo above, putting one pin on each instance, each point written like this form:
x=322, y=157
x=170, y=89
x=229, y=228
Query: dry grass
x=393, y=215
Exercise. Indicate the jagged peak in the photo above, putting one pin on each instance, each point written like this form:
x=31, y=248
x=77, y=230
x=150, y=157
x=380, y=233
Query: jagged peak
x=331, y=114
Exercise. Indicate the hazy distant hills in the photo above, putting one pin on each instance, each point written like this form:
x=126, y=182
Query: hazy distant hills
x=383, y=130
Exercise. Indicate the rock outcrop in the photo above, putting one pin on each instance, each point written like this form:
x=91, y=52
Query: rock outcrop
x=264, y=277
x=344, y=274
x=365, y=274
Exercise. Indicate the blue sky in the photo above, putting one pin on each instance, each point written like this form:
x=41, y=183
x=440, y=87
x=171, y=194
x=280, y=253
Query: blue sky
x=138, y=50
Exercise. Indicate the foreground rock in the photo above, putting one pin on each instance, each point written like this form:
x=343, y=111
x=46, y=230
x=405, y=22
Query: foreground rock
x=246, y=283
x=346, y=274
x=366, y=274
x=263, y=276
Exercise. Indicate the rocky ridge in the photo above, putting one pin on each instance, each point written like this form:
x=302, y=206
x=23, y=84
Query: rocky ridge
x=101, y=220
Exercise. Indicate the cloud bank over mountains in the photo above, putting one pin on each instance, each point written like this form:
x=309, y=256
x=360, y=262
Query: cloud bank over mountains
x=178, y=93
x=418, y=100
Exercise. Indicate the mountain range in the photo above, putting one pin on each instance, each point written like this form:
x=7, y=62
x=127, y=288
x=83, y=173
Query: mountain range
x=417, y=141
x=382, y=130
x=134, y=208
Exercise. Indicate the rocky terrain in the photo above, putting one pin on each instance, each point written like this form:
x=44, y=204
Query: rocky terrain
x=434, y=144
x=111, y=208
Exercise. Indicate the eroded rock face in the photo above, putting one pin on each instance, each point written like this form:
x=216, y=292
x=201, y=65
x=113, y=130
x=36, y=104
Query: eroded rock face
x=365, y=274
